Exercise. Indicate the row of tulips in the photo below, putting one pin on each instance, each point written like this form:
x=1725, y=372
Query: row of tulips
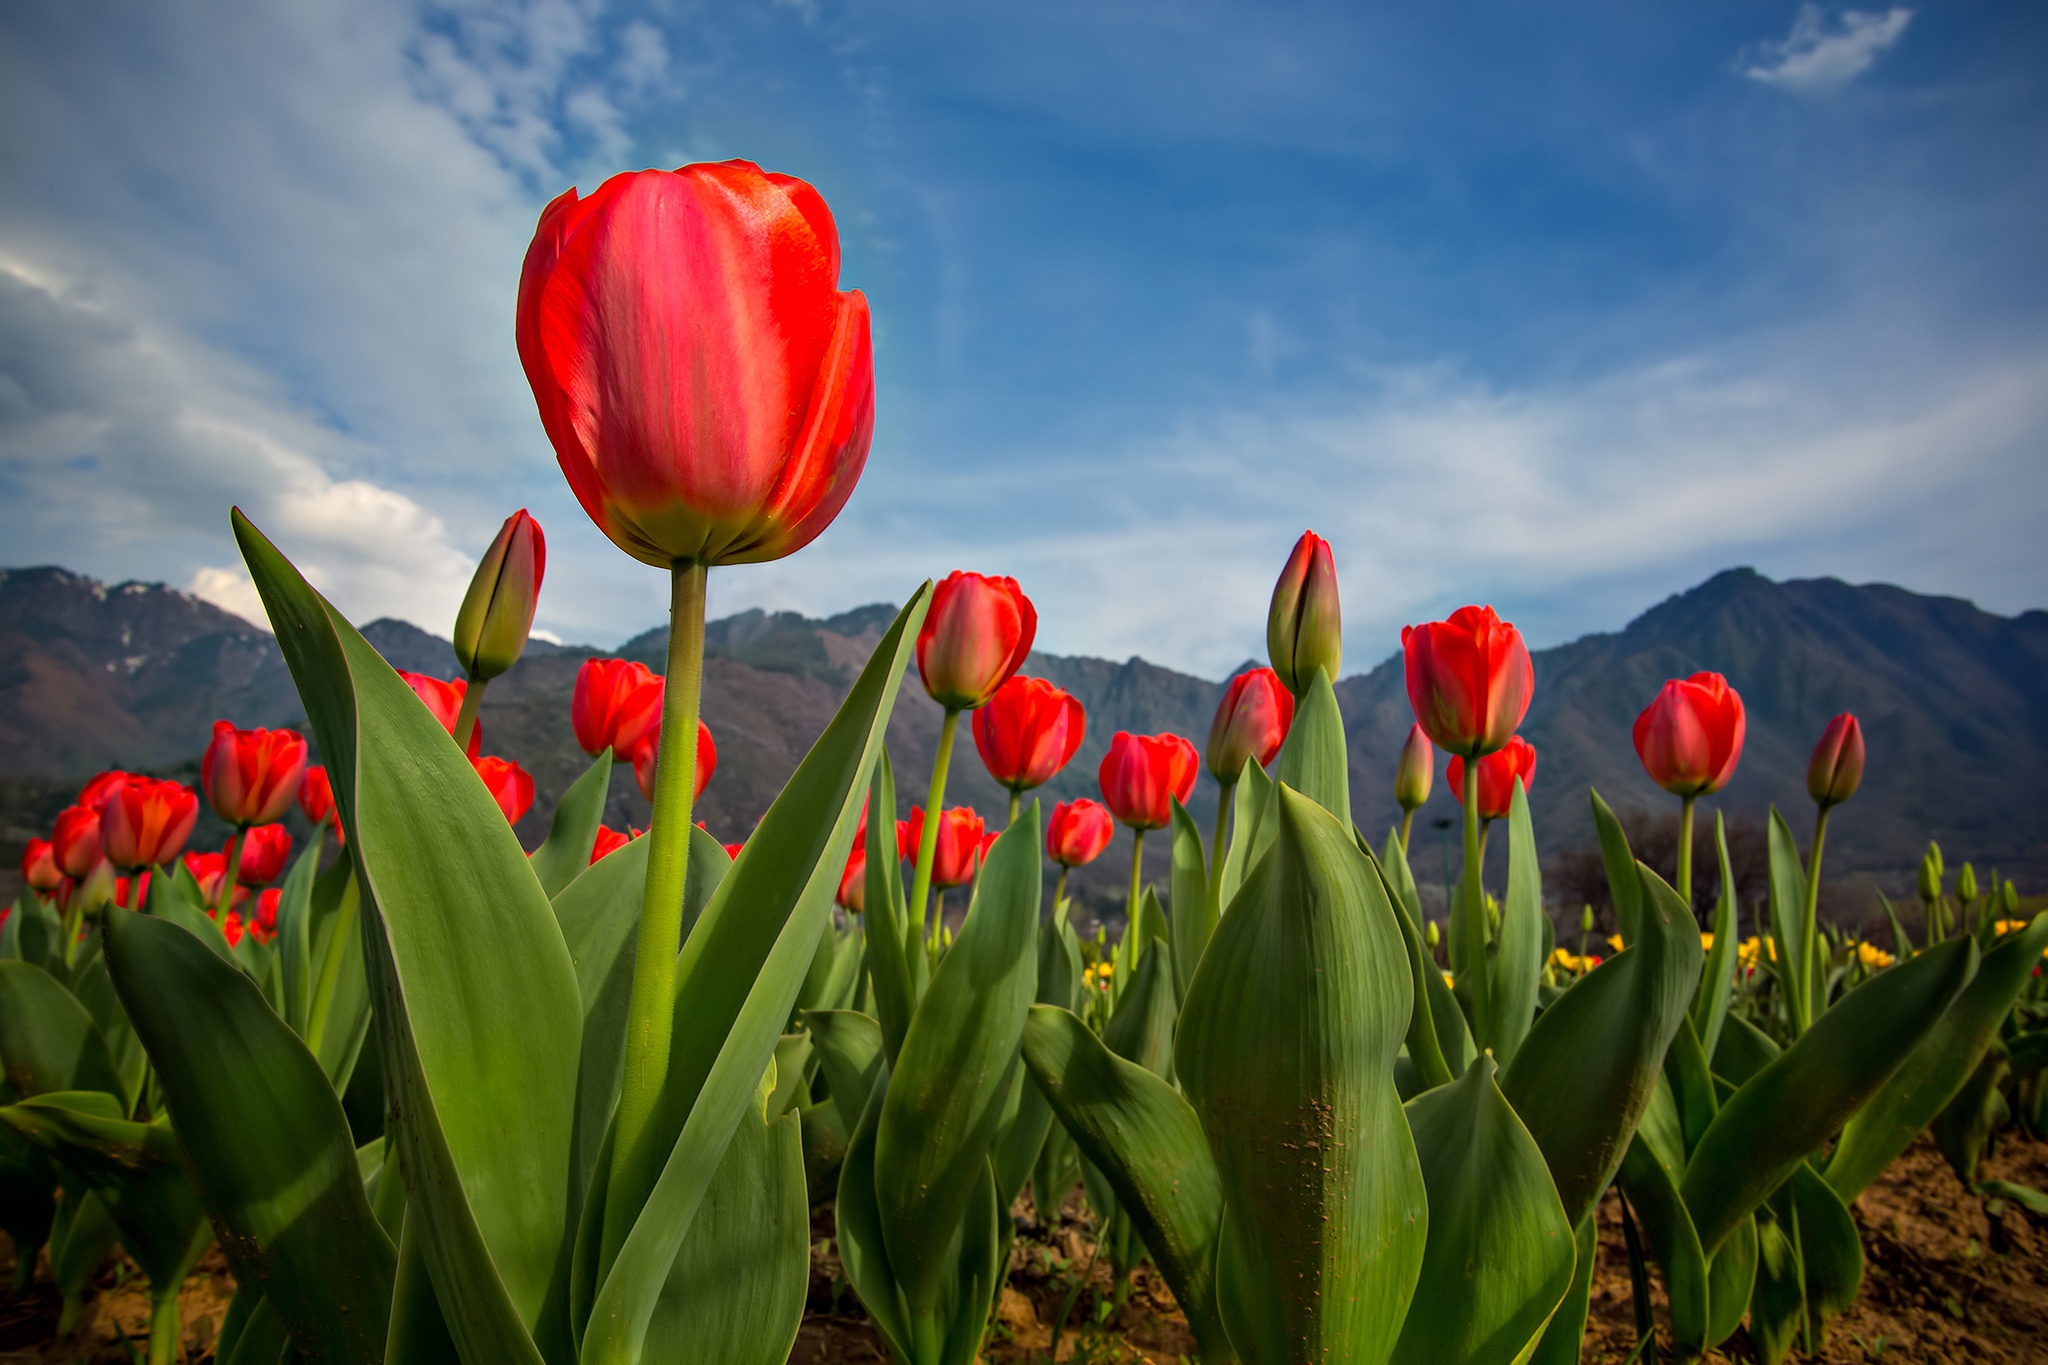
x=618, y=1074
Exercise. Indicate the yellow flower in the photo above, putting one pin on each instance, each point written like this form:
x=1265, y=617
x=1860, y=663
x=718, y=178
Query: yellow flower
x=1872, y=956
x=1614, y=942
x=2009, y=926
x=1706, y=942
x=1570, y=962
x=1449, y=980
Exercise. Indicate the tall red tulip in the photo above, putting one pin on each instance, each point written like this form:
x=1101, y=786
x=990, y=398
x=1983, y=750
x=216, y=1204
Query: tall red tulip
x=1497, y=774
x=39, y=865
x=264, y=851
x=497, y=612
x=1027, y=732
x=1690, y=736
x=1305, y=624
x=75, y=842
x=444, y=699
x=975, y=637
x=508, y=785
x=252, y=776
x=96, y=790
x=1250, y=725
x=1836, y=768
x=649, y=750
x=145, y=822
x=1141, y=775
x=959, y=844
x=1078, y=832
x=1469, y=680
x=617, y=702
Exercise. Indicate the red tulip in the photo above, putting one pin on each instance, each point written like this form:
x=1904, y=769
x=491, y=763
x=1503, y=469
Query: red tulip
x=975, y=637
x=444, y=699
x=262, y=925
x=497, y=612
x=649, y=749
x=316, y=794
x=252, y=776
x=1251, y=723
x=609, y=840
x=1141, y=774
x=708, y=388
x=1469, y=680
x=614, y=698
x=139, y=885
x=1497, y=773
x=1416, y=770
x=96, y=790
x=1690, y=737
x=959, y=847
x=145, y=822
x=264, y=850
x=231, y=929
x=733, y=850
x=1078, y=832
x=853, y=882
x=39, y=865
x=208, y=870
x=1028, y=731
x=1305, y=624
x=508, y=785
x=75, y=842
x=1836, y=769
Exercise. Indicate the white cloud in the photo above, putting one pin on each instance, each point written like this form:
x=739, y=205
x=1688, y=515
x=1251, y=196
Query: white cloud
x=231, y=590
x=1816, y=57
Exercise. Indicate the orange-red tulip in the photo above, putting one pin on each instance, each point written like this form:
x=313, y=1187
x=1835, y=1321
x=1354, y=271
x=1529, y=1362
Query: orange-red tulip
x=1305, y=624
x=316, y=800
x=975, y=637
x=508, y=785
x=1469, y=680
x=1836, y=769
x=208, y=870
x=1141, y=775
x=1027, y=732
x=39, y=866
x=75, y=842
x=649, y=749
x=617, y=702
x=262, y=924
x=264, y=851
x=1078, y=832
x=96, y=790
x=1250, y=725
x=1497, y=773
x=708, y=388
x=444, y=699
x=1690, y=736
x=144, y=822
x=959, y=847
x=252, y=776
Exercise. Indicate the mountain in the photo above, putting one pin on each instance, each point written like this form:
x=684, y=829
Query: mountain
x=1954, y=702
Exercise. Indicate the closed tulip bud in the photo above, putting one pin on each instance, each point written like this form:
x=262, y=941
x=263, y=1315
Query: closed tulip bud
x=2010, y=897
x=1433, y=936
x=1497, y=774
x=508, y=785
x=853, y=883
x=1930, y=875
x=958, y=854
x=1142, y=775
x=497, y=612
x=252, y=777
x=444, y=699
x=617, y=702
x=264, y=850
x=1305, y=624
x=649, y=749
x=1690, y=737
x=1586, y=920
x=1933, y=857
x=1966, y=885
x=1836, y=769
x=974, y=639
x=1078, y=832
x=608, y=840
x=1416, y=771
x=1469, y=680
x=708, y=388
x=75, y=842
x=1251, y=723
x=39, y=865
x=144, y=823
x=1027, y=732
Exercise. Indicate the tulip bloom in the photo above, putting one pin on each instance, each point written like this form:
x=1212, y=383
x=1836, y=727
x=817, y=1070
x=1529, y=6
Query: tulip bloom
x=39, y=865
x=609, y=840
x=96, y=790
x=1469, y=680
x=1497, y=774
x=232, y=929
x=616, y=705
x=649, y=750
x=959, y=845
x=497, y=612
x=1836, y=769
x=316, y=801
x=1027, y=732
x=252, y=776
x=262, y=924
x=264, y=850
x=145, y=822
x=508, y=785
x=75, y=842
x=1413, y=776
x=1305, y=624
x=975, y=637
x=1690, y=739
x=1141, y=777
x=209, y=872
x=853, y=882
x=1250, y=725
x=1076, y=835
x=444, y=699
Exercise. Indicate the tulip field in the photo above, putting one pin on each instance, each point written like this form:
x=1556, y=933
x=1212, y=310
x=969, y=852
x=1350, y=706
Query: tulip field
x=437, y=1097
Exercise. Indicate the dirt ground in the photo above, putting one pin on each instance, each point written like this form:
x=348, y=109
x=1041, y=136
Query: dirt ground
x=1944, y=1282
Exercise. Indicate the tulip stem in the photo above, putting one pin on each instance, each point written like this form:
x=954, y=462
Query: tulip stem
x=1808, y=1005
x=1407, y=822
x=165, y=1326
x=1137, y=879
x=928, y=837
x=1059, y=888
x=651, y=1009
x=1216, y=849
x=1685, y=851
x=1471, y=972
x=231, y=873
x=465, y=719
x=1016, y=796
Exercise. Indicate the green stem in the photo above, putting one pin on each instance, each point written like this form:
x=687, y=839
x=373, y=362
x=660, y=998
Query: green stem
x=234, y=870
x=1015, y=798
x=1472, y=971
x=465, y=719
x=1059, y=888
x=338, y=946
x=1407, y=821
x=1808, y=1006
x=164, y=1325
x=1685, y=851
x=1217, y=849
x=1137, y=877
x=650, y=1011
x=934, y=805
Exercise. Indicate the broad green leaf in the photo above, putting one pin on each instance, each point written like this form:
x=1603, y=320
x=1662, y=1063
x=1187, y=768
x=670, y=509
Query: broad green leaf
x=959, y=1060
x=1559, y=1344
x=1710, y=1006
x=80, y=1239
x=1621, y=866
x=1652, y=1189
x=1024, y=1136
x=1830, y=1249
x=1314, y=760
x=1788, y=918
x=737, y=979
x=1939, y=1065
x=295, y=935
x=480, y=1023
x=269, y=1148
x=28, y=1203
x=1731, y=1277
x=47, y=1039
x=1743, y=1051
x=168, y=901
x=1517, y=963
x=1500, y=1255
x=824, y=1139
x=1248, y=840
x=1188, y=897
x=1145, y=1139
x=1964, y=1126
x=891, y=938
x=572, y=830
x=1784, y=1112
x=792, y=1070
x=857, y=1219
x=1587, y=1070
x=1141, y=1029
x=1691, y=1083
x=1439, y=1040
x=1286, y=1051
x=1777, y=1304
x=849, y=1047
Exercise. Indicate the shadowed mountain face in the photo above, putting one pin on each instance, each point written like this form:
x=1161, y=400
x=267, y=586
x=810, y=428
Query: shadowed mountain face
x=1954, y=703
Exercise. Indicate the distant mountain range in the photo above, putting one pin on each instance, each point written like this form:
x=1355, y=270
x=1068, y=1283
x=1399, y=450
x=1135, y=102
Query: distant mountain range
x=1954, y=703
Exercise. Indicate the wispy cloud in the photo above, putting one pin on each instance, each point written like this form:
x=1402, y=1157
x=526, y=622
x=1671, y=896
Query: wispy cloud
x=1818, y=56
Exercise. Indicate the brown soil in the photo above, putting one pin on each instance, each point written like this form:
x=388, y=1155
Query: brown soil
x=1944, y=1282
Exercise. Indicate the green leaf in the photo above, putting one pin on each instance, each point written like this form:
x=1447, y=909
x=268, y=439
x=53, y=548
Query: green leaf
x=1286, y=1051
x=1777, y=1303
x=1652, y=1190
x=1017, y=1150
x=80, y=1239
x=1938, y=1066
x=1788, y=917
x=1621, y=869
x=1500, y=1254
x=891, y=938
x=269, y=1148
x=1439, y=1040
x=1559, y=1344
x=1830, y=1249
x=1785, y=1111
x=1188, y=895
x=1744, y=1050
x=1517, y=963
x=480, y=1022
x=572, y=831
x=1731, y=1277
x=849, y=1047
x=168, y=899
x=857, y=1218
x=1586, y=1072
x=1142, y=1136
x=295, y=935
x=1313, y=760
x=1141, y=1028
x=1717, y=983
x=47, y=1039
x=1250, y=836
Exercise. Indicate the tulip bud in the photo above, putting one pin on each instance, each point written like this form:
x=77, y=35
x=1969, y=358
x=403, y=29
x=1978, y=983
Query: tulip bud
x=2011, y=898
x=75, y=843
x=497, y=613
x=1469, y=680
x=1027, y=732
x=1142, y=775
x=975, y=637
x=1251, y=723
x=608, y=840
x=1416, y=770
x=1690, y=737
x=264, y=850
x=853, y=883
x=1586, y=920
x=1078, y=832
x=1836, y=769
x=648, y=750
x=1930, y=875
x=39, y=866
x=1934, y=857
x=1966, y=885
x=1433, y=936
x=1305, y=625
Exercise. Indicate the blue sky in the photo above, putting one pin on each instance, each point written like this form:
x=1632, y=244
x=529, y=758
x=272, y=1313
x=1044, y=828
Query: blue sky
x=1558, y=307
